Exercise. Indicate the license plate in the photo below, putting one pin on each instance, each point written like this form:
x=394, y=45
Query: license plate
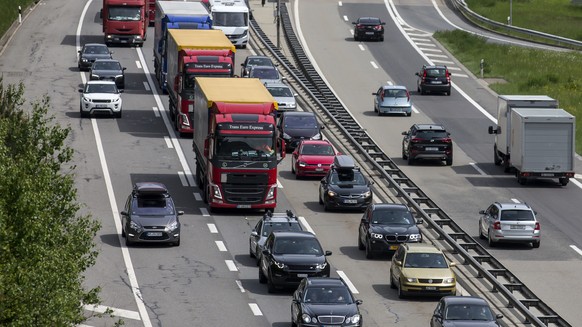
x=431, y=148
x=153, y=234
x=431, y=288
x=101, y=106
x=436, y=82
x=302, y=275
x=351, y=201
x=547, y=175
x=123, y=41
x=318, y=169
x=517, y=227
x=393, y=247
x=369, y=33
x=244, y=206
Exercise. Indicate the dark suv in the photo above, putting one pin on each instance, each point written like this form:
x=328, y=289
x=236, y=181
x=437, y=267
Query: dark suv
x=434, y=79
x=427, y=141
x=288, y=257
x=293, y=126
x=385, y=226
x=108, y=70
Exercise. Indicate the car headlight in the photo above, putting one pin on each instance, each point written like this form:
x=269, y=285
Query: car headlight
x=302, y=164
x=172, y=226
x=84, y=60
x=375, y=235
x=307, y=318
x=415, y=237
x=331, y=193
x=116, y=99
x=93, y=76
x=367, y=194
x=279, y=265
x=353, y=319
x=286, y=136
x=449, y=280
x=135, y=226
x=321, y=265
x=86, y=99
x=316, y=136
x=118, y=76
x=411, y=280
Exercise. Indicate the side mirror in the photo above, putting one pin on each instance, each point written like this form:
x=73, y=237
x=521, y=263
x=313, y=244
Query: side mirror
x=358, y=302
x=453, y=264
x=283, y=78
x=490, y=130
x=79, y=51
x=405, y=133
x=80, y=90
x=180, y=213
x=321, y=127
x=124, y=68
x=101, y=13
x=383, y=23
x=295, y=301
x=254, y=233
x=416, y=74
x=242, y=65
x=375, y=93
x=363, y=219
x=295, y=94
x=398, y=263
x=265, y=251
x=419, y=221
x=481, y=212
x=322, y=181
x=327, y=253
x=123, y=213
x=437, y=315
x=354, y=23
x=499, y=316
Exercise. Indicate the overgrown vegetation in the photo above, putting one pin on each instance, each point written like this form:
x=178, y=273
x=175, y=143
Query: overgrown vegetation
x=526, y=70
x=45, y=246
x=9, y=12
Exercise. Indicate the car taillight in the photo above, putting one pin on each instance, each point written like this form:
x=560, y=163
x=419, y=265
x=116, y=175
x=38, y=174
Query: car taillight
x=424, y=75
x=416, y=140
x=407, y=95
x=497, y=225
x=378, y=27
x=448, y=76
x=537, y=226
x=447, y=140
x=359, y=26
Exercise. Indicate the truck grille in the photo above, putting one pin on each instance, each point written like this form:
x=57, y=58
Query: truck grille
x=245, y=188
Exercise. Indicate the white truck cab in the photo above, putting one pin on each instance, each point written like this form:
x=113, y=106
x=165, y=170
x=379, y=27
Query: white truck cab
x=232, y=17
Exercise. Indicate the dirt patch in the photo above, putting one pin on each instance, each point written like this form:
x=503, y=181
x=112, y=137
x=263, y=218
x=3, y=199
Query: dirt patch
x=495, y=81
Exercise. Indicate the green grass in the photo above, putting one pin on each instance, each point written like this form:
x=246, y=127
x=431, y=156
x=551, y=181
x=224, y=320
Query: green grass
x=9, y=12
x=527, y=71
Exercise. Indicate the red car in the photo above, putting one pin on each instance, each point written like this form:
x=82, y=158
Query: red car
x=312, y=158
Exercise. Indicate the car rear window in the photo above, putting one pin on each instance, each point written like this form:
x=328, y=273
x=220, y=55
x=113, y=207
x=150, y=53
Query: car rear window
x=517, y=215
x=370, y=21
x=436, y=72
x=431, y=134
x=395, y=93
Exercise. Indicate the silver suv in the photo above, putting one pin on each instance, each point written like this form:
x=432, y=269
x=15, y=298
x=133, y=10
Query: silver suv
x=509, y=222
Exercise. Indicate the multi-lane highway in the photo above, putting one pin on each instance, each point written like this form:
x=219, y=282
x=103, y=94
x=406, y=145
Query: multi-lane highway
x=210, y=280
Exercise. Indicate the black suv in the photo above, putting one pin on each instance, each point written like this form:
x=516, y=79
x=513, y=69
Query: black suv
x=271, y=222
x=385, y=226
x=369, y=28
x=293, y=126
x=427, y=141
x=345, y=186
x=90, y=52
x=288, y=257
x=108, y=70
x=434, y=79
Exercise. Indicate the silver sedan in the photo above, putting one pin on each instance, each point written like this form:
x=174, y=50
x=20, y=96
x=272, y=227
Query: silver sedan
x=392, y=99
x=509, y=222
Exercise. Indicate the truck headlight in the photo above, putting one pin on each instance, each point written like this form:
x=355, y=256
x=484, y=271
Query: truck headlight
x=271, y=193
x=215, y=190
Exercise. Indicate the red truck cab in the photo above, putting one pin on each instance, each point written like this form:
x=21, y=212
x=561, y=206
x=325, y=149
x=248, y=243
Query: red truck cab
x=124, y=22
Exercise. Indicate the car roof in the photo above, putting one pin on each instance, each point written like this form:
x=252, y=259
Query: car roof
x=100, y=82
x=515, y=206
x=296, y=234
x=395, y=206
x=298, y=113
x=394, y=87
x=421, y=248
x=94, y=45
x=106, y=60
x=325, y=281
x=322, y=142
x=464, y=300
x=150, y=187
x=436, y=127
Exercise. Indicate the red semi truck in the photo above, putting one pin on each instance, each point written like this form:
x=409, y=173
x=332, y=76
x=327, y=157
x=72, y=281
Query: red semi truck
x=124, y=21
x=235, y=143
x=191, y=54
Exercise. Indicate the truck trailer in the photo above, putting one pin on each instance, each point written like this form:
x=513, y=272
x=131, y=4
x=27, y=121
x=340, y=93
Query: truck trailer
x=175, y=15
x=235, y=143
x=191, y=54
x=124, y=22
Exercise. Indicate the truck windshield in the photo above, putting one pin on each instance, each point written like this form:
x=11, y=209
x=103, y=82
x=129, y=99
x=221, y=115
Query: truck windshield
x=125, y=13
x=230, y=19
x=240, y=147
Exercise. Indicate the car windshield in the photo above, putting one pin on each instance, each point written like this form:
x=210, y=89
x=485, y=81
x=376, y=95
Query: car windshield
x=125, y=13
x=392, y=217
x=264, y=73
x=280, y=226
x=153, y=206
x=230, y=19
x=259, y=62
x=317, y=150
x=244, y=147
x=428, y=134
x=94, y=49
x=395, y=93
x=327, y=295
x=347, y=179
x=370, y=21
x=296, y=245
x=468, y=312
x=106, y=65
x=280, y=91
x=101, y=88
x=425, y=260
x=435, y=72
x=301, y=122
x=517, y=215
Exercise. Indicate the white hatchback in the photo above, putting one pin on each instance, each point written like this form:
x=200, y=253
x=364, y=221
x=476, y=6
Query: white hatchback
x=100, y=97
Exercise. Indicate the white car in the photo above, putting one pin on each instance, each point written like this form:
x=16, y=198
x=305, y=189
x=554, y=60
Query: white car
x=100, y=97
x=284, y=96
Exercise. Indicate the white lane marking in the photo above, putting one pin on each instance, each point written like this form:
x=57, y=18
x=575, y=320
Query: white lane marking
x=138, y=64
x=443, y=61
x=279, y=185
x=578, y=176
x=231, y=266
x=183, y=178
x=389, y=83
x=437, y=55
x=212, y=228
x=479, y=170
x=575, y=248
x=156, y=113
x=147, y=86
x=305, y=224
x=454, y=68
x=415, y=110
x=240, y=287
x=419, y=39
x=221, y=246
x=115, y=312
x=352, y=32
x=577, y=183
x=424, y=44
x=197, y=196
x=430, y=49
x=204, y=212
x=515, y=201
x=361, y=47
x=461, y=75
x=168, y=142
x=345, y=18
x=348, y=281
x=255, y=309
x=374, y=64
x=340, y=3
x=138, y=297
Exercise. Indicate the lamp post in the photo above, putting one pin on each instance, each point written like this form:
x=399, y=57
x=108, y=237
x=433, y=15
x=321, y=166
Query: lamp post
x=510, y=12
x=278, y=18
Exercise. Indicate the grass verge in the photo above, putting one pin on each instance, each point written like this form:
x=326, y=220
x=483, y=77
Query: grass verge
x=9, y=12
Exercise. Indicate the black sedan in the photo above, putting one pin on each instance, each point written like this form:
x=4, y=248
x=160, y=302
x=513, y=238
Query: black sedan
x=371, y=28
x=91, y=52
x=324, y=302
x=108, y=70
x=471, y=311
x=150, y=215
x=385, y=226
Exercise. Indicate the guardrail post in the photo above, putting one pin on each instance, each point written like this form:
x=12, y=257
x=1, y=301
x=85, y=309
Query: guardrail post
x=481, y=65
x=19, y=14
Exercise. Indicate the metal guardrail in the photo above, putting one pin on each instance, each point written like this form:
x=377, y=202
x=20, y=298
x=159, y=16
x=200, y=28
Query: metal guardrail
x=475, y=255
x=462, y=7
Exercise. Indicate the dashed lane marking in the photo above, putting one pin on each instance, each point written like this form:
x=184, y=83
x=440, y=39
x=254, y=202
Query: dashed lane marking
x=255, y=309
x=183, y=178
x=197, y=196
x=575, y=248
x=374, y=64
x=212, y=228
x=221, y=246
x=479, y=170
x=231, y=266
x=240, y=287
x=168, y=142
x=306, y=225
x=156, y=112
x=146, y=86
x=361, y=47
x=204, y=212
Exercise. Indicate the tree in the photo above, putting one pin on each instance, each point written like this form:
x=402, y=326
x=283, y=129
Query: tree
x=45, y=245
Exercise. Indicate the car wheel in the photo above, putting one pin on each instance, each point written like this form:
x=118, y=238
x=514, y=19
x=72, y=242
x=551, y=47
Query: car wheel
x=490, y=240
x=128, y=242
x=292, y=167
x=122, y=232
x=410, y=161
x=536, y=244
x=400, y=292
x=449, y=92
x=198, y=177
x=481, y=236
x=408, y=114
x=404, y=156
x=422, y=91
x=360, y=244
x=381, y=39
x=392, y=284
x=262, y=277
x=320, y=200
x=270, y=286
x=325, y=206
x=564, y=181
x=117, y=114
x=369, y=253
x=449, y=161
x=356, y=38
x=520, y=179
x=177, y=243
x=251, y=254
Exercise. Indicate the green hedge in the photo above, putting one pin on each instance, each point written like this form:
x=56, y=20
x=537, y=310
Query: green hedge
x=9, y=12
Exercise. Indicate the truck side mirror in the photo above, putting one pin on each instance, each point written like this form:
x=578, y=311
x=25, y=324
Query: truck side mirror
x=490, y=130
x=206, y=145
x=101, y=13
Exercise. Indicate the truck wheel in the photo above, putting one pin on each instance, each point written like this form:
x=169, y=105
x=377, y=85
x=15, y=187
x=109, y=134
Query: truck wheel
x=198, y=179
x=506, y=165
x=521, y=180
x=564, y=181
